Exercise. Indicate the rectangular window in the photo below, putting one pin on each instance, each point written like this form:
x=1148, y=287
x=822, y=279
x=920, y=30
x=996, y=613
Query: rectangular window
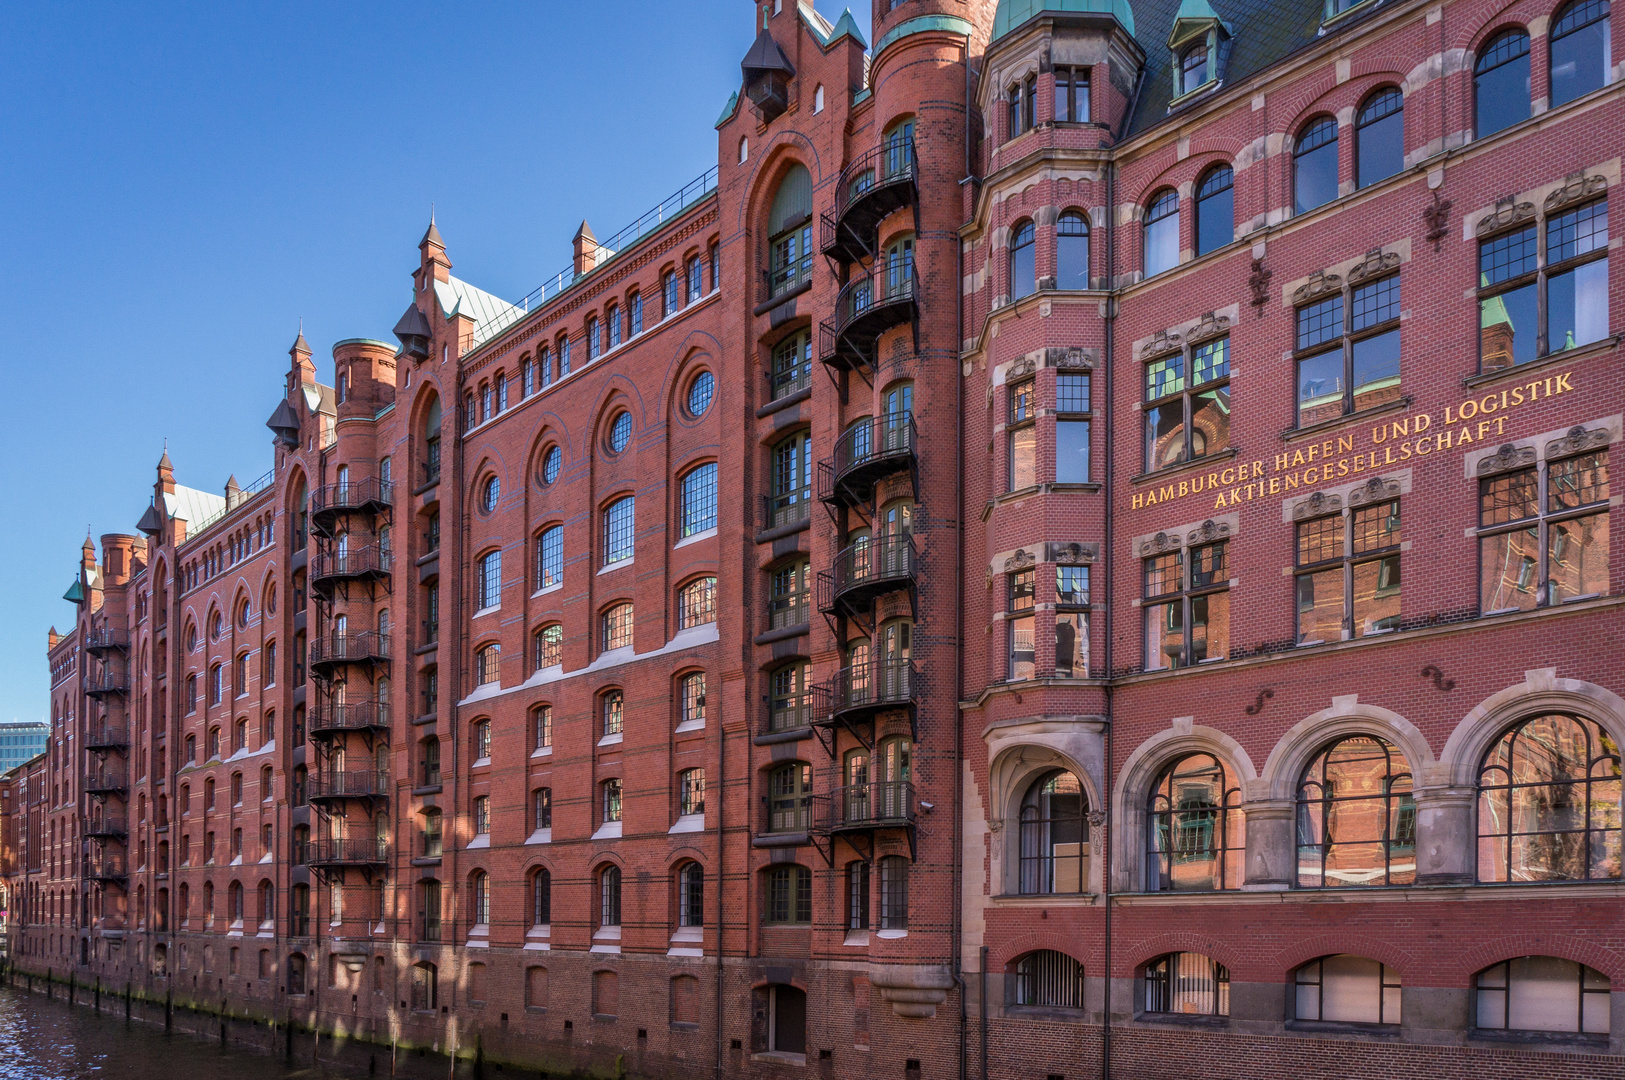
x=1571, y=283
x=699, y=511
x=696, y=279
x=788, y=705
x=618, y=627
x=1022, y=434
x=502, y=393
x=790, y=260
x=550, y=557
x=791, y=499
x=612, y=800
x=490, y=584
x=546, y=362
x=594, y=340
x=619, y=530
x=1072, y=622
x=894, y=893
x=612, y=321
x=1072, y=417
x=857, y=896
x=1187, y=418
x=564, y=357
x=634, y=317
x=792, y=365
x=691, y=792
x=1187, y=607
x=716, y=267
x=542, y=718
x=1072, y=95
x=1347, y=582
x=1348, y=365
x=789, y=896
x=1543, y=534
x=670, y=287
x=787, y=596
x=1020, y=619
x=542, y=808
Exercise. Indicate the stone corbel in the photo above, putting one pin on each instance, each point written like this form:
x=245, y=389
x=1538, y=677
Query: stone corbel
x=912, y=989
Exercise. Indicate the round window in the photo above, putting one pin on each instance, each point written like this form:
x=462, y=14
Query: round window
x=620, y=432
x=490, y=494
x=551, y=461
x=699, y=393
x=242, y=615
x=215, y=624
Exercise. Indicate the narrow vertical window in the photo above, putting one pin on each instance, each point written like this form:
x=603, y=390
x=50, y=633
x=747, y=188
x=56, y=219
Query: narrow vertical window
x=1501, y=83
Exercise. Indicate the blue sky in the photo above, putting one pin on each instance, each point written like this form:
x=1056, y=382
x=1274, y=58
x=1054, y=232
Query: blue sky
x=183, y=183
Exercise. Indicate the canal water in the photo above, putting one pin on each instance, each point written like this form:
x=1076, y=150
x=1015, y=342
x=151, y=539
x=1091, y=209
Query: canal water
x=45, y=1039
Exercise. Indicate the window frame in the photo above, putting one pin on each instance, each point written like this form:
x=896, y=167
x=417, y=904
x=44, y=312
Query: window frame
x=1482, y=68
x=1188, y=591
x=697, y=602
x=617, y=626
x=1508, y=985
x=1186, y=393
x=1381, y=97
x=697, y=500
x=1021, y=431
x=1319, y=983
x=1347, y=299
x=1312, y=139
x=1398, y=805
x=1071, y=90
x=1542, y=521
x=1161, y=212
x=787, y=895
x=1022, y=259
x=1164, y=827
x=790, y=365
x=1349, y=558
x=1543, y=269
x=1206, y=192
x=618, y=532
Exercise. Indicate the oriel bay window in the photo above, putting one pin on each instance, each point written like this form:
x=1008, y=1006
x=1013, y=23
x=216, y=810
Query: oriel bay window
x=1356, y=816
x=1348, y=573
x=1072, y=417
x=1347, y=365
x=1187, y=606
x=1187, y=418
x=1072, y=95
x=1054, y=843
x=1196, y=834
x=1021, y=433
x=1549, y=803
x=1072, y=622
x=1021, y=623
x=1543, y=533
x=1543, y=290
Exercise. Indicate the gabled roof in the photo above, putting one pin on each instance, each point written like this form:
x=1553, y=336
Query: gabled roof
x=490, y=313
x=765, y=55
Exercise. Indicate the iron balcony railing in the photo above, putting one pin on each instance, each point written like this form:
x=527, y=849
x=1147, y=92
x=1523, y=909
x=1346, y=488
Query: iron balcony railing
x=868, y=306
x=876, y=184
x=106, y=638
x=878, y=804
x=789, y=713
x=349, y=851
x=789, y=380
x=371, y=561
x=106, y=738
x=871, y=686
x=865, y=453
x=109, y=866
x=102, y=783
x=787, y=508
x=328, y=717
x=349, y=648
x=367, y=494
x=867, y=569
x=367, y=784
x=107, y=682
x=791, y=609
x=107, y=827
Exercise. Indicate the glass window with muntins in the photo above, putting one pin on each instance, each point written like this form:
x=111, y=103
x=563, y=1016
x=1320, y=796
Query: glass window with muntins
x=1215, y=209
x=1072, y=622
x=1347, y=582
x=788, y=595
x=1021, y=434
x=1501, y=82
x=1543, y=534
x=1020, y=620
x=1072, y=95
x=1314, y=166
x=1549, y=803
x=1196, y=833
x=790, y=250
x=1580, y=52
x=790, y=798
x=1187, y=418
x=791, y=498
x=1542, y=291
x=1072, y=251
x=792, y=365
x=1054, y=839
x=1072, y=420
x=1356, y=817
x=1348, y=355
x=1187, y=606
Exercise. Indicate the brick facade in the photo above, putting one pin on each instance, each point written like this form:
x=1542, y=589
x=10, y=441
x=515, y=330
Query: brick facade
x=735, y=773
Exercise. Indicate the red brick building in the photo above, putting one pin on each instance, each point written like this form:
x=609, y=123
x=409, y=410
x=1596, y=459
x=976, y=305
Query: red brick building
x=681, y=666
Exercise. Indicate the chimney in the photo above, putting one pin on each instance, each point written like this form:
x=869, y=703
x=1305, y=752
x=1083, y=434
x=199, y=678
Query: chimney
x=586, y=250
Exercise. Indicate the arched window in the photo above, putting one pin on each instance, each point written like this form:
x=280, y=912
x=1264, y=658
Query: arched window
x=1347, y=989
x=549, y=646
x=1215, y=210
x=487, y=664
x=619, y=530
x=1314, y=165
x=698, y=511
x=691, y=895
x=1195, y=831
x=1542, y=993
x=617, y=627
x=692, y=705
x=697, y=603
x=609, y=897
x=594, y=341
x=490, y=583
x=479, y=891
x=612, y=706
x=1072, y=251
x=1580, y=50
x=612, y=805
x=1501, y=82
x=482, y=740
x=1193, y=68
x=480, y=812
x=1047, y=978
x=1162, y=233
x=1187, y=983
x=541, y=897
x=894, y=893
x=1356, y=817
x=1054, y=843
x=789, y=232
x=1022, y=266
x=691, y=793
x=541, y=718
x=1548, y=803
x=1379, y=137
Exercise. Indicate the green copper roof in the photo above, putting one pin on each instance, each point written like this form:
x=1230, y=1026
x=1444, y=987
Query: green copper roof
x=75, y=593
x=1013, y=13
x=923, y=24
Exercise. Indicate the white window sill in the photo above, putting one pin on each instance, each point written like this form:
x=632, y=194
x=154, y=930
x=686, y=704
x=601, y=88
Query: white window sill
x=541, y=836
x=689, y=823
x=611, y=739
x=238, y=861
x=542, y=751
x=481, y=841
x=269, y=856
x=538, y=946
x=487, y=610
x=892, y=935
x=473, y=943
x=609, y=830
x=614, y=950
x=536, y=938
x=687, y=941
x=545, y=589
x=480, y=761
x=616, y=565
x=859, y=938
x=690, y=725
x=696, y=538
x=607, y=939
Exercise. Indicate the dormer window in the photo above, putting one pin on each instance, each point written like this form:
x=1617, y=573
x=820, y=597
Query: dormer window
x=1193, y=68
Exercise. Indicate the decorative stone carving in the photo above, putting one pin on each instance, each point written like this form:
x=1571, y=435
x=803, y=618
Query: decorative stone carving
x=1097, y=818
x=1209, y=325
x=1259, y=282
x=912, y=989
x=1373, y=490
x=1161, y=342
x=1020, y=560
x=1577, y=441
x=1375, y=262
x=1508, y=212
x=1069, y=359
x=1506, y=459
x=1577, y=187
x=1438, y=218
x=1160, y=543
x=1317, y=505
x=1319, y=284
x=1207, y=531
x=1072, y=554
x=1020, y=369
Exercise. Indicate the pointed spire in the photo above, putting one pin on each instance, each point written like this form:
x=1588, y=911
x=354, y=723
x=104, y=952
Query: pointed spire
x=88, y=548
x=431, y=238
x=163, y=462
x=300, y=346
x=51, y=638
